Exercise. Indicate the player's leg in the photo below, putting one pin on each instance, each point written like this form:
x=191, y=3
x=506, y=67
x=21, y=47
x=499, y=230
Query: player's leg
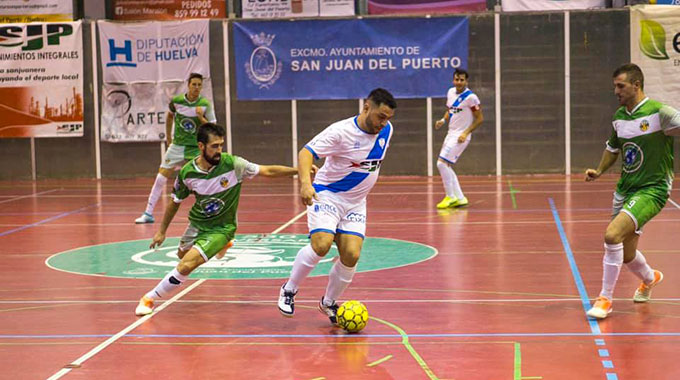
x=205, y=246
x=643, y=206
x=322, y=218
x=349, y=240
x=173, y=157
x=449, y=155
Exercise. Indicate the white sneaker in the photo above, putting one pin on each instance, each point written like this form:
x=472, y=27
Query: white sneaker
x=644, y=292
x=601, y=308
x=145, y=218
x=286, y=302
x=144, y=307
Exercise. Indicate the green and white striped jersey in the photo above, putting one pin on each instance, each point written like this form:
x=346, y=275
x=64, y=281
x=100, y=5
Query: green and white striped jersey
x=647, y=153
x=186, y=121
x=217, y=190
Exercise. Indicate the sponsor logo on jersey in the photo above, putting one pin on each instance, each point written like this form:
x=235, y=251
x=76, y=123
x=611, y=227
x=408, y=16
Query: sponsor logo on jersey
x=211, y=206
x=188, y=125
x=633, y=157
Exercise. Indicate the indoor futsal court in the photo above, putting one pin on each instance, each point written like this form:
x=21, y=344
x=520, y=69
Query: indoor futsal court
x=496, y=290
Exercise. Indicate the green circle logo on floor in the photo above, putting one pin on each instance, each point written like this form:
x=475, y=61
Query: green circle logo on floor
x=252, y=256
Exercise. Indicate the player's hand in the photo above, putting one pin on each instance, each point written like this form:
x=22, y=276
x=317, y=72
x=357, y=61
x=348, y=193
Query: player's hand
x=592, y=174
x=200, y=112
x=168, y=142
x=439, y=123
x=314, y=169
x=463, y=136
x=158, y=239
x=307, y=193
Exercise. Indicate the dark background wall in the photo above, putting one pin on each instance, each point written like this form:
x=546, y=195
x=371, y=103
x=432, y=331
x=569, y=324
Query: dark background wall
x=532, y=109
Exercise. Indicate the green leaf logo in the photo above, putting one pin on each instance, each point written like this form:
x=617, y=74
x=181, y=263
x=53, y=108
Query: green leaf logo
x=653, y=39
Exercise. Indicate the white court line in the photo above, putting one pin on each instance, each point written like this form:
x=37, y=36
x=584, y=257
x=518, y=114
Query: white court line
x=76, y=363
x=674, y=204
x=29, y=195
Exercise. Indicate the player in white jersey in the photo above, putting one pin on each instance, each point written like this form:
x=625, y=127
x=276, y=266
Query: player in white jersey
x=336, y=202
x=463, y=115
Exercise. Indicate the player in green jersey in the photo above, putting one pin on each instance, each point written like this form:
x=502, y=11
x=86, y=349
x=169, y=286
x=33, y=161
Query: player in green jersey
x=215, y=180
x=639, y=132
x=186, y=113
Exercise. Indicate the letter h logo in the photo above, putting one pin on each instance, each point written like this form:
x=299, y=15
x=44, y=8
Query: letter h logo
x=115, y=51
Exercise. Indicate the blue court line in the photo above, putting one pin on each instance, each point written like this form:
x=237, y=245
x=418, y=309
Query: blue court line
x=599, y=342
x=271, y=336
x=612, y=376
x=603, y=353
x=47, y=220
x=594, y=327
x=607, y=364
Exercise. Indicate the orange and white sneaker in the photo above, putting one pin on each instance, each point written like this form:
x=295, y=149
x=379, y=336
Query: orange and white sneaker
x=644, y=292
x=224, y=251
x=601, y=308
x=144, y=307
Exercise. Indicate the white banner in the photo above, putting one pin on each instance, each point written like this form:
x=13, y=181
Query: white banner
x=296, y=8
x=655, y=47
x=145, y=65
x=549, y=5
x=16, y=11
x=41, y=80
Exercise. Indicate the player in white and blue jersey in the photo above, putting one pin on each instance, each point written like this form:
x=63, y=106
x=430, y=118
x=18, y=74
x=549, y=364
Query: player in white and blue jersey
x=463, y=115
x=354, y=149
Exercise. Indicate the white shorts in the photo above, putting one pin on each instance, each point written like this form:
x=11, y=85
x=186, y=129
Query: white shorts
x=328, y=214
x=176, y=156
x=452, y=149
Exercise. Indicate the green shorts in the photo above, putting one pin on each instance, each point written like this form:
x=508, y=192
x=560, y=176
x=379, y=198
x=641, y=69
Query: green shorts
x=641, y=205
x=207, y=242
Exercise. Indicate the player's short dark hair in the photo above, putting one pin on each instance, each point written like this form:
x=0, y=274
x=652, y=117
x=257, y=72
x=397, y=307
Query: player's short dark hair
x=207, y=129
x=195, y=76
x=460, y=71
x=633, y=73
x=381, y=96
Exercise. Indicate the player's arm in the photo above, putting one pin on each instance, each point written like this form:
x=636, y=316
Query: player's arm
x=608, y=159
x=305, y=171
x=477, y=119
x=443, y=121
x=670, y=120
x=276, y=171
x=170, y=212
x=169, y=121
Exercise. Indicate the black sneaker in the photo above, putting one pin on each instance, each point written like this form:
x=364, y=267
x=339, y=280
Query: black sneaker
x=330, y=311
x=287, y=302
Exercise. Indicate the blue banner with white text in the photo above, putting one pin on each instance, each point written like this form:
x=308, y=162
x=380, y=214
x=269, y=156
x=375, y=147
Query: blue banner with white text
x=346, y=59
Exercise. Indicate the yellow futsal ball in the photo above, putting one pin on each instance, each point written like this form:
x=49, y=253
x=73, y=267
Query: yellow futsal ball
x=352, y=316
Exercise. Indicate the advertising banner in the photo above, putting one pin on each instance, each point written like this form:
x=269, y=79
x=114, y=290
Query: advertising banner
x=392, y=7
x=655, y=47
x=145, y=65
x=18, y=11
x=168, y=9
x=550, y=5
x=41, y=80
x=296, y=8
x=345, y=59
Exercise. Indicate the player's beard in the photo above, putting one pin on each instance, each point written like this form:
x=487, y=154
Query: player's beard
x=214, y=160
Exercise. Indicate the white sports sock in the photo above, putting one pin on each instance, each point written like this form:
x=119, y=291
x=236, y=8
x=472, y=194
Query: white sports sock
x=446, y=173
x=338, y=280
x=156, y=192
x=168, y=285
x=305, y=262
x=611, y=267
x=640, y=268
x=455, y=185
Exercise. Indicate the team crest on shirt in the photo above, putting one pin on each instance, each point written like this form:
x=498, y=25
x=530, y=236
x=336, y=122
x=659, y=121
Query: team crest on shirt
x=188, y=125
x=224, y=182
x=633, y=157
x=381, y=142
x=644, y=125
x=211, y=206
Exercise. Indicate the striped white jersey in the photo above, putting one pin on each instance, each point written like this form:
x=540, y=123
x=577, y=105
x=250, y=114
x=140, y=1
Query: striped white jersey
x=460, y=109
x=353, y=159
